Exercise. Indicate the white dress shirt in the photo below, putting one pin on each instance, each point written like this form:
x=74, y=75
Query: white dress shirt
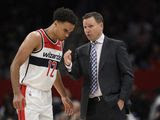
x=99, y=43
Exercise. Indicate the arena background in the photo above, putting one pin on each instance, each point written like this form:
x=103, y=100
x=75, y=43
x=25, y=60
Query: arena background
x=136, y=22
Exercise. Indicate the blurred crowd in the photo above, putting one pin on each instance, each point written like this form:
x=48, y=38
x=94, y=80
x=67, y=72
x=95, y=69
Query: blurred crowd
x=137, y=22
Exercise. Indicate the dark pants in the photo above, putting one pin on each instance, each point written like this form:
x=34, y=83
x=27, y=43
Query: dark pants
x=100, y=110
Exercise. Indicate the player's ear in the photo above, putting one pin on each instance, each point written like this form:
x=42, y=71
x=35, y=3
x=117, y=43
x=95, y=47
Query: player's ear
x=55, y=22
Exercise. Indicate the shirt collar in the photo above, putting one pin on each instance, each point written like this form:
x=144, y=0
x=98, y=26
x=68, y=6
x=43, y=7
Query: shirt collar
x=100, y=39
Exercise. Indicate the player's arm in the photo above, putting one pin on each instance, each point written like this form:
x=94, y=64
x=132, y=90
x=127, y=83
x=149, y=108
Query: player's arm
x=31, y=42
x=58, y=84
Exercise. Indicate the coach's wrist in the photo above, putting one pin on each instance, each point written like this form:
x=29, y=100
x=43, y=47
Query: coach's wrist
x=68, y=64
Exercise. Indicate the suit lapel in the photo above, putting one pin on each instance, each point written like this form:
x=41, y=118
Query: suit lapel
x=87, y=50
x=104, y=52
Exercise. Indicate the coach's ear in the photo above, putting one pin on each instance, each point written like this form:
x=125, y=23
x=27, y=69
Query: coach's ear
x=101, y=24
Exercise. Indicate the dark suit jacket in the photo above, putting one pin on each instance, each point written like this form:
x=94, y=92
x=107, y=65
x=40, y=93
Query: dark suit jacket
x=115, y=72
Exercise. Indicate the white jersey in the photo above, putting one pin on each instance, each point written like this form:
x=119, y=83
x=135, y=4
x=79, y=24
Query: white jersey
x=40, y=69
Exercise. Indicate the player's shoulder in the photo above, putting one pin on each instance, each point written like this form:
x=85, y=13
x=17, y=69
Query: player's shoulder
x=34, y=35
x=33, y=39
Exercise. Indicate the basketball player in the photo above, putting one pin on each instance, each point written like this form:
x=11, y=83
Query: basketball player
x=35, y=69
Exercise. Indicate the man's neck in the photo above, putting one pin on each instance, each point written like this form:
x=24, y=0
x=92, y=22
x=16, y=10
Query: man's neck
x=50, y=33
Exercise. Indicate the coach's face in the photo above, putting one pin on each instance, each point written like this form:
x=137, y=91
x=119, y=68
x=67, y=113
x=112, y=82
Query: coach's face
x=92, y=28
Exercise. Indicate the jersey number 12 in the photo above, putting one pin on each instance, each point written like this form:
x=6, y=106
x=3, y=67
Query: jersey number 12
x=53, y=65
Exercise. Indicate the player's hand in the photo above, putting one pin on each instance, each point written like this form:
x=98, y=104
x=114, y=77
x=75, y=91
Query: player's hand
x=19, y=101
x=67, y=57
x=120, y=104
x=68, y=106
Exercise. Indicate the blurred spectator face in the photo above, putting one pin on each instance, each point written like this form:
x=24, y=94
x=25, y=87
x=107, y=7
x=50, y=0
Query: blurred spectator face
x=92, y=29
x=63, y=29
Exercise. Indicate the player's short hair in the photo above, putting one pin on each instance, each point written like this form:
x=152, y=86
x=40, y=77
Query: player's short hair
x=65, y=15
x=97, y=16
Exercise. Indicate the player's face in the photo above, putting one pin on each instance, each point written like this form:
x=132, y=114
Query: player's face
x=64, y=29
x=92, y=29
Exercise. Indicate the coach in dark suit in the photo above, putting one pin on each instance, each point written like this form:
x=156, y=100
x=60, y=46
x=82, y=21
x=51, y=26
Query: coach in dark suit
x=107, y=72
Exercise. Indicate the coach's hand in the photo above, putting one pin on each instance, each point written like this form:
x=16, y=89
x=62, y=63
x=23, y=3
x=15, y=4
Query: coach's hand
x=19, y=101
x=67, y=57
x=68, y=106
